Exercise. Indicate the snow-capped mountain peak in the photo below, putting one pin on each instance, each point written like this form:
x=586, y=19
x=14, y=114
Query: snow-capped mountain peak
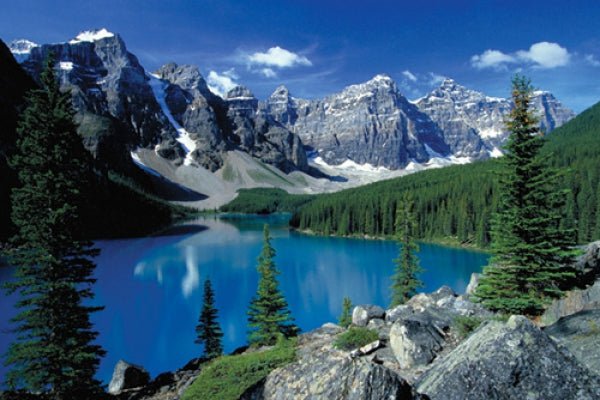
x=92, y=36
x=21, y=48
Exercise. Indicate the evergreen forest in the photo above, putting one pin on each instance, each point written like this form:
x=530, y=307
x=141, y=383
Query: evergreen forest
x=457, y=202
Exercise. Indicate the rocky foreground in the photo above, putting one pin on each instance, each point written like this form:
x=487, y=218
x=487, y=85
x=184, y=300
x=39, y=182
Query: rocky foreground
x=423, y=352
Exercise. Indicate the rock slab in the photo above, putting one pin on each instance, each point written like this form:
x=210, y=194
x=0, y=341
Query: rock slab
x=127, y=376
x=363, y=314
x=415, y=341
x=580, y=333
x=513, y=360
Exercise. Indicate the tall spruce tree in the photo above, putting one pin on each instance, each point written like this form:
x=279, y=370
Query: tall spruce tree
x=405, y=280
x=531, y=252
x=208, y=329
x=268, y=314
x=54, y=350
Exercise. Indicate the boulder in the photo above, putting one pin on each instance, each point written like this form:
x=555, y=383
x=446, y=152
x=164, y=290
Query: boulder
x=363, y=314
x=398, y=312
x=575, y=301
x=332, y=375
x=127, y=376
x=442, y=292
x=473, y=283
x=580, y=333
x=415, y=341
x=588, y=264
x=512, y=360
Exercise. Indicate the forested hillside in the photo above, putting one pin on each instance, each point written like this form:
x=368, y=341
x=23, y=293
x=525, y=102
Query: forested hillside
x=458, y=201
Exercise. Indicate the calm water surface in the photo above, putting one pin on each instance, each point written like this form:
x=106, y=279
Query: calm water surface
x=152, y=287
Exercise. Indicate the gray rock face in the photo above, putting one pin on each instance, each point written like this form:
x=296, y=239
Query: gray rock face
x=415, y=341
x=575, y=301
x=325, y=373
x=217, y=125
x=512, y=360
x=580, y=334
x=473, y=283
x=116, y=107
x=127, y=376
x=472, y=123
x=361, y=315
x=366, y=123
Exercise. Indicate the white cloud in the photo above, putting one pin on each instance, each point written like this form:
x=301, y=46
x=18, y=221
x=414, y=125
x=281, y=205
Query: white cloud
x=540, y=55
x=222, y=83
x=546, y=55
x=435, y=79
x=409, y=75
x=491, y=59
x=268, y=73
x=591, y=59
x=277, y=57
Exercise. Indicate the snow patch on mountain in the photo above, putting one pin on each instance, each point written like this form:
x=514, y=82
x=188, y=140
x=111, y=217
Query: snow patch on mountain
x=138, y=161
x=65, y=65
x=158, y=87
x=490, y=133
x=92, y=36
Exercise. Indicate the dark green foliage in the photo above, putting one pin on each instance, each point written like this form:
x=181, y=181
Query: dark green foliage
x=355, y=337
x=209, y=331
x=465, y=325
x=268, y=314
x=345, y=318
x=405, y=280
x=54, y=349
x=14, y=83
x=531, y=248
x=452, y=202
x=265, y=201
x=226, y=378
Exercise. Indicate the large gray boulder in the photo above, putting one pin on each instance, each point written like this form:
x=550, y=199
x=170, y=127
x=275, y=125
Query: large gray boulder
x=513, y=360
x=127, y=376
x=415, y=341
x=324, y=372
x=580, y=333
x=575, y=301
x=363, y=314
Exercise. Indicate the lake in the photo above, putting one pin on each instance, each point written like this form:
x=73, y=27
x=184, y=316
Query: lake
x=152, y=287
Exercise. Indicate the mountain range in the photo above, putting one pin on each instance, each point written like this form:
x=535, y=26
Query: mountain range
x=169, y=123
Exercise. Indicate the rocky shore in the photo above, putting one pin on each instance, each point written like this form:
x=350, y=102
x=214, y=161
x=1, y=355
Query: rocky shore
x=424, y=351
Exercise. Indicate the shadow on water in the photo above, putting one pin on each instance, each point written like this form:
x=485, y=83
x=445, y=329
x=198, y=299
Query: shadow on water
x=181, y=230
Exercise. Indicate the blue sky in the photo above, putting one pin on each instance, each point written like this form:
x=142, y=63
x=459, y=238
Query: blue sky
x=317, y=48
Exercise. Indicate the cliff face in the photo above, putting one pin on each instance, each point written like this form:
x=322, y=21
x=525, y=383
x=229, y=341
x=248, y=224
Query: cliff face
x=116, y=107
x=366, y=123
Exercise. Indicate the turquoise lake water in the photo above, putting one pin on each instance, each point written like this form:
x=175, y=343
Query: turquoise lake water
x=152, y=287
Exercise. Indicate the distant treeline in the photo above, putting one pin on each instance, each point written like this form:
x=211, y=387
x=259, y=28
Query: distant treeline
x=451, y=203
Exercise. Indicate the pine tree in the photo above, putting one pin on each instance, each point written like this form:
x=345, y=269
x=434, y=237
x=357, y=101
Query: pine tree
x=54, y=349
x=530, y=250
x=208, y=329
x=405, y=280
x=345, y=318
x=268, y=314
